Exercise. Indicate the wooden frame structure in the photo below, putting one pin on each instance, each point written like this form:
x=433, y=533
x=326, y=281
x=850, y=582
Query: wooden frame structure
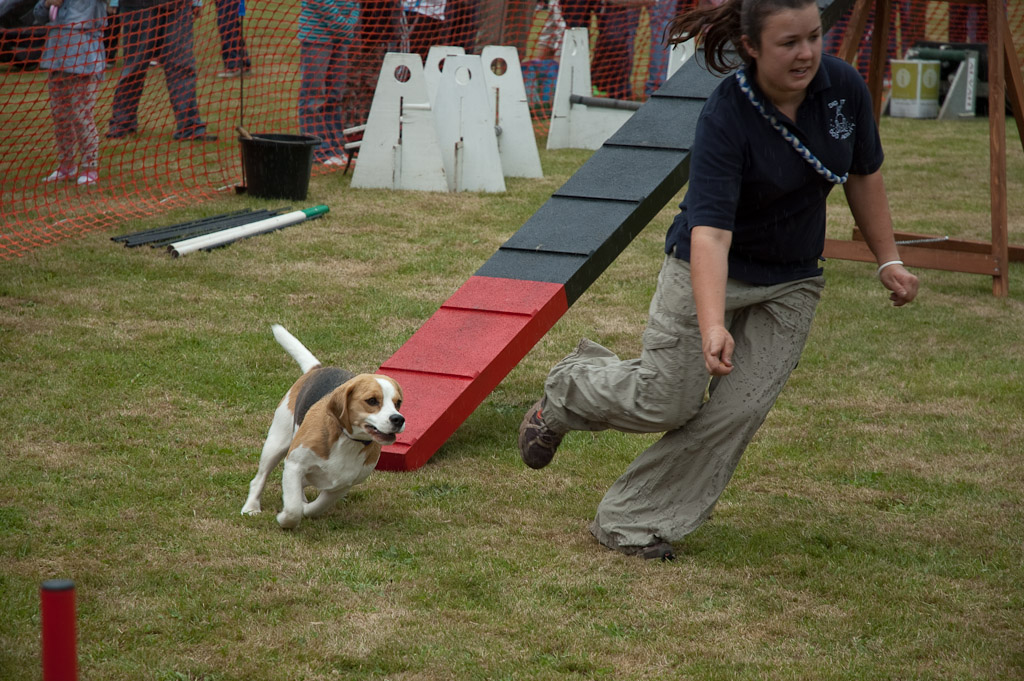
x=1004, y=78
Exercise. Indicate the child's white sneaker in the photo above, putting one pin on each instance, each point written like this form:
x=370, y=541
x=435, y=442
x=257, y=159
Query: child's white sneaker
x=88, y=177
x=61, y=175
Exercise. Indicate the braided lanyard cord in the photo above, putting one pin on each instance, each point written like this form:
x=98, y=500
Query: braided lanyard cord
x=805, y=153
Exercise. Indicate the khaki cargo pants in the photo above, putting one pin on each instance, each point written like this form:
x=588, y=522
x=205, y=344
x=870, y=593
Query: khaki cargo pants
x=672, y=487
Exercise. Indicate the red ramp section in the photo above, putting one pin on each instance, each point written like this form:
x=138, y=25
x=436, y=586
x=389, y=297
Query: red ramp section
x=454, y=361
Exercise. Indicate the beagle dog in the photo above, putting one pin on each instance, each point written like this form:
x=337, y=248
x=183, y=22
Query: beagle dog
x=329, y=429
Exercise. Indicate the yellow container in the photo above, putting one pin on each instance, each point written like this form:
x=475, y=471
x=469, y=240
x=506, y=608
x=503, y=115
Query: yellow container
x=915, y=88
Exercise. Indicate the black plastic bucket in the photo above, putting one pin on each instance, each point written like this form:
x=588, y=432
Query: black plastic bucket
x=278, y=166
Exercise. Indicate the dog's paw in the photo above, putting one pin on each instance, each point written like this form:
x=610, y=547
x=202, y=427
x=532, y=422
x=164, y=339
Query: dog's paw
x=288, y=521
x=251, y=509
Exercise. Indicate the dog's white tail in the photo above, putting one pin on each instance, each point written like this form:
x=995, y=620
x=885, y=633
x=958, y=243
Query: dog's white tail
x=297, y=350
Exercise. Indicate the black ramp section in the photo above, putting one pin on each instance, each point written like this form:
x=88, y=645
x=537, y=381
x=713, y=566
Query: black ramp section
x=693, y=81
x=548, y=266
x=584, y=226
x=544, y=266
x=621, y=173
x=602, y=217
x=647, y=132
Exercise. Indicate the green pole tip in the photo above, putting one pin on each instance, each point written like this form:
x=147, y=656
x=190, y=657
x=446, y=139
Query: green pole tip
x=315, y=211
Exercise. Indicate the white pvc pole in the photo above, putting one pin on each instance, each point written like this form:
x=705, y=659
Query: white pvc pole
x=224, y=236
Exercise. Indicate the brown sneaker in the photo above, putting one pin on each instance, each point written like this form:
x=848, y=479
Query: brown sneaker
x=661, y=551
x=537, y=442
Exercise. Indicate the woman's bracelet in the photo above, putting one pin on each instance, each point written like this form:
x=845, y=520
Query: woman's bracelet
x=886, y=264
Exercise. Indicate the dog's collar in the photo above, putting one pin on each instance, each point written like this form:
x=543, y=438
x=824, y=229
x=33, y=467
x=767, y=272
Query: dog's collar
x=356, y=438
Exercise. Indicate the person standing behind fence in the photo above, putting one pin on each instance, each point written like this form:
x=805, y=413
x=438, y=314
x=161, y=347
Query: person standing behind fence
x=326, y=40
x=661, y=13
x=423, y=25
x=75, y=58
x=463, y=25
x=376, y=34
x=232, y=44
x=611, y=64
x=112, y=33
x=552, y=32
x=161, y=30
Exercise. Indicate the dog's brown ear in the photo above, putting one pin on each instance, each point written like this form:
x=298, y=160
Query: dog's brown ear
x=338, y=405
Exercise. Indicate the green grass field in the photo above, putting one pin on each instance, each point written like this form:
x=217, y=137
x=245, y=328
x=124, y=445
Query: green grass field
x=873, y=530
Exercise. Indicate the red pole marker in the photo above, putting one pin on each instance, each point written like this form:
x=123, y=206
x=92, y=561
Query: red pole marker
x=60, y=658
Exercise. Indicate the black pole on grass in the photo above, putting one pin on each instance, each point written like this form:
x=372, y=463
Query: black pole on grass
x=207, y=225
x=198, y=227
x=213, y=227
x=156, y=230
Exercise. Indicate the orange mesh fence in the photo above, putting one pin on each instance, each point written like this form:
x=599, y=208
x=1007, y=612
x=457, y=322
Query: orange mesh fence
x=111, y=116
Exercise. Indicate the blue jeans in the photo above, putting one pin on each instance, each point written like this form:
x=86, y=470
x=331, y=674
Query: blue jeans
x=232, y=45
x=163, y=33
x=323, y=68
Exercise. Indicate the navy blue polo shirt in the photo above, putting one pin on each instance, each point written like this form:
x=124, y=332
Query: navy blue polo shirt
x=745, y=178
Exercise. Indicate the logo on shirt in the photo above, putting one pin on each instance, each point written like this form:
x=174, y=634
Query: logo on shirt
x=841, y=127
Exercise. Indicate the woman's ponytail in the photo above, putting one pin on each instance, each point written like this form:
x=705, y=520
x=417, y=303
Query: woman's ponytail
x=717, y=30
